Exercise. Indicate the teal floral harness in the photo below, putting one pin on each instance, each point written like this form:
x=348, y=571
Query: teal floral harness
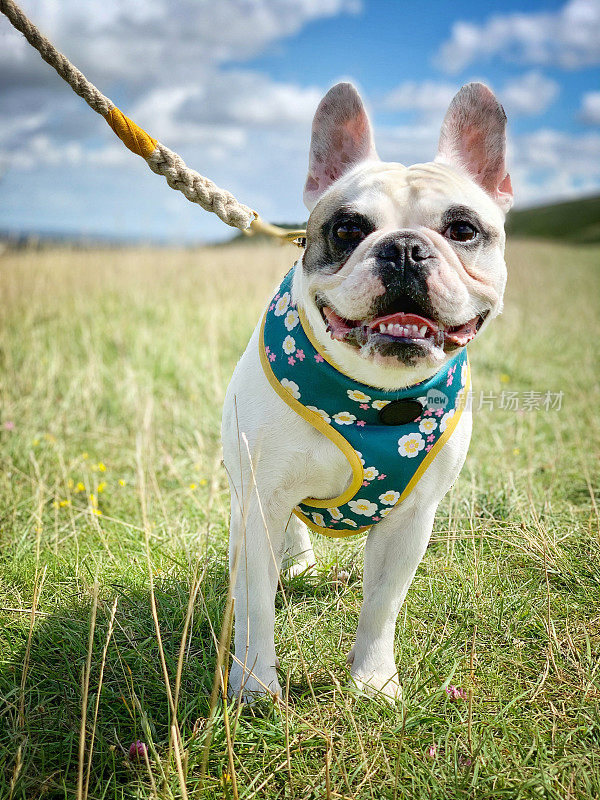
x=388, y=437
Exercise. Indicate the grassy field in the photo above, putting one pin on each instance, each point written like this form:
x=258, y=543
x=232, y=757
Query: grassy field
x=113, y=528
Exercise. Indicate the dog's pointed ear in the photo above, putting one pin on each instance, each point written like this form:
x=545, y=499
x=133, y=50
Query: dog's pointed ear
x=341, y=138
x=473, y=139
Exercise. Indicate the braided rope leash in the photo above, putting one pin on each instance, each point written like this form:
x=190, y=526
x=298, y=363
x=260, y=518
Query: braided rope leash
x=159, y=158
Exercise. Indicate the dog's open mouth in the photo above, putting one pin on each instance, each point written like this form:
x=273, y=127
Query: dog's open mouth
x=401, y=326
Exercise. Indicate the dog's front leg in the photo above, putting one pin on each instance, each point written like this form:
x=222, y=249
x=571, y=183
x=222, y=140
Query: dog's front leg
x=255, y=551
x=394, y=549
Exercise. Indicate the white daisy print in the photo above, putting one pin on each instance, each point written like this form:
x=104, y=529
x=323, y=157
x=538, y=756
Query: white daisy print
x=281, y=306
x=410, y=445
x=385, y=511
x=379, y=404
x=335, y=513
x=318, y=519
x=359, y=454
x=428, y=425
x=291, y=319
x=350, y=523
x=291, y=387
x=370, y=473
x=389, y=498
x=445, y=420
x=360, y=397
x=364, y=507
x=323, y=414
x=344, y=418
x=289, y=345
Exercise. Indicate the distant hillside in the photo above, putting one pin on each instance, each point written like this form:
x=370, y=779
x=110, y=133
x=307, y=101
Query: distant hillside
x=573, y=221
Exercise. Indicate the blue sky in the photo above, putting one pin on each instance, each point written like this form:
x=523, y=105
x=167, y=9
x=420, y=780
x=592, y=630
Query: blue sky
x=232, y=87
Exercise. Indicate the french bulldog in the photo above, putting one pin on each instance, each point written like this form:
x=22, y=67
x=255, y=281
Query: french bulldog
x=402, y=267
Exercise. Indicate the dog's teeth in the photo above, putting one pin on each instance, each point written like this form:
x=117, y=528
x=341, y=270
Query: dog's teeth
x=398, y=329
x=381, y=327
x=423, y=330
x=415, y=329
x=390, y=328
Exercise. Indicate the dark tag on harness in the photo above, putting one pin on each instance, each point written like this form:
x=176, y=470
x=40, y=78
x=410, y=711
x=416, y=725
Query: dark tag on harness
x=401, y=411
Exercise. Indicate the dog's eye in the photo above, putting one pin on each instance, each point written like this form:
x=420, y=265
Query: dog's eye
x=348, y=232
x=461, y=231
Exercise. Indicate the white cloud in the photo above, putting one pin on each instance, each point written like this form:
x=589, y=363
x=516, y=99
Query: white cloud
x=141, y=44
x=569, y=37
x=590, y=108
x=530, y=94
x=425, y=97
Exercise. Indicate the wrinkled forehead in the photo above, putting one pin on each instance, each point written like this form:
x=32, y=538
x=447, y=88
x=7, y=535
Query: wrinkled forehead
x=392, y=194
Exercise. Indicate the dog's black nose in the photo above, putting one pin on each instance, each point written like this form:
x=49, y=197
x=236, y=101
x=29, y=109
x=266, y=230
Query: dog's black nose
x=404, y=250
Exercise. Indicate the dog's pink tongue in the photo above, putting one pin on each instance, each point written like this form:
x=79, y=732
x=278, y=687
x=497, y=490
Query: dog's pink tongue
x=338, y=327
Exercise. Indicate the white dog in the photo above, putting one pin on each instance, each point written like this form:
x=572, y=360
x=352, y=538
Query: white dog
x=349, y=396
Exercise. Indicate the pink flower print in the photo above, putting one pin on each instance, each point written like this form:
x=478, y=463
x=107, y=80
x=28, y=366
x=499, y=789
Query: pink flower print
x=454, y=693
x=277, y=296
x=450, y=379
x=428, y=448
x=291, y=360
x=365, y=483
x=360, y=423
x=381, y=477
x=431, y=437
x=428, y=412
x=267, y=349
x=439, y=412
x=300, y=355
x=319, y=358
x=375, y=519
x=272, y=357
x=364, y=405
x=272, y=306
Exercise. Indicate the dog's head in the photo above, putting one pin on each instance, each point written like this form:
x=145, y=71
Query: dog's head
x=403, y=265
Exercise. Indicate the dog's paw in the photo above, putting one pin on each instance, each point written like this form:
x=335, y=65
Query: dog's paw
x=248, y=686
x=383, y=684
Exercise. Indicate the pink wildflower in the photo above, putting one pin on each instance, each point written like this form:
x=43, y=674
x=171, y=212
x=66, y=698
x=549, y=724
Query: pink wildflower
x=137, y=751
x=431, y=751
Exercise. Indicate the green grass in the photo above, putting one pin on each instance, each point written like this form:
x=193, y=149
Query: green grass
x=571, y=221
x=113, y=369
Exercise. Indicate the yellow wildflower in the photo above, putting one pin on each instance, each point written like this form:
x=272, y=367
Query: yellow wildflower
x=504, y=378
x=121, y=482
x=101, y=487
x=192, y=485
x=203, y=482
x=70, y=483
x=80, y=487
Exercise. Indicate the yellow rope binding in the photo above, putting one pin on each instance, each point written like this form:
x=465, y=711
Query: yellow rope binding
x=132, y=136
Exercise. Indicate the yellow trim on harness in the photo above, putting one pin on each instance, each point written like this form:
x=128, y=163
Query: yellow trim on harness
x=319, y=423
x=132, y=136
x=323, y=427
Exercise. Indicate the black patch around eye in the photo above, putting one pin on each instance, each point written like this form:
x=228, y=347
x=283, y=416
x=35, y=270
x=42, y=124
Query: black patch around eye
x=456, y=214
x=326, y=253
x=348, y=219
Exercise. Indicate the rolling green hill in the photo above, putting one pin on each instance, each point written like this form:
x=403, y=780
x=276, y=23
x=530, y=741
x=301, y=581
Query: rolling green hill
x=573, y=221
